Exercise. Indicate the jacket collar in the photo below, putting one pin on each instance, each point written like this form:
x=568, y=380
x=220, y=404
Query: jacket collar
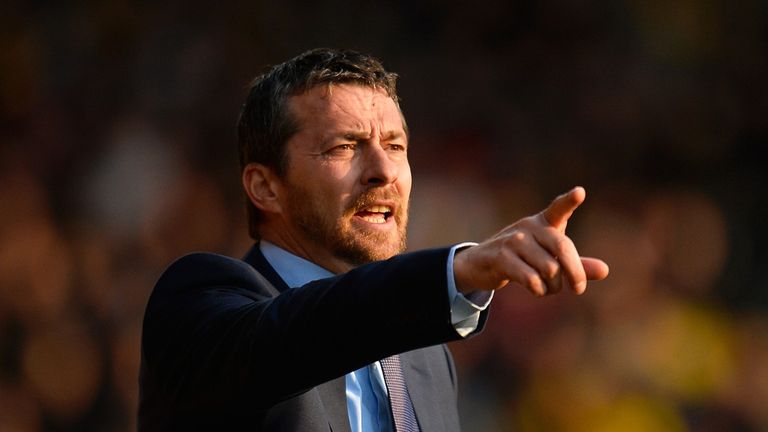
x=256, y=259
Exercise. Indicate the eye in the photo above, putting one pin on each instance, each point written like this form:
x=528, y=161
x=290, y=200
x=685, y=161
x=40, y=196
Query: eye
x=397, y=147
x=340, y=150
x=344, y=147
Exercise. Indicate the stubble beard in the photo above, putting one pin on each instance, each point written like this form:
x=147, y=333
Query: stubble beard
x=351, y=244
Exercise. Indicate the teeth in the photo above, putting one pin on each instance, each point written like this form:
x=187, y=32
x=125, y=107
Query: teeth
x=379, y=209
x=376, y=213
x=374, y=219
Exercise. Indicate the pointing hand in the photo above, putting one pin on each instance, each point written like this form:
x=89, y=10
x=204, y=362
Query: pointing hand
x=534, y=253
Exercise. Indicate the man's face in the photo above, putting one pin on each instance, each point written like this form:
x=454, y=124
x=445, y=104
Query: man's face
x=345, y=192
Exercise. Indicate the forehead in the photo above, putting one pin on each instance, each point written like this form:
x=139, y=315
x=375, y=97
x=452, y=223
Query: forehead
x=346, y=106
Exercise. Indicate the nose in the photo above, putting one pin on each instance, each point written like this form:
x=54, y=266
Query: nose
x=379, y=167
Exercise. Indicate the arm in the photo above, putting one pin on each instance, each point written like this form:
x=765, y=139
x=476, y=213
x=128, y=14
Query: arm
x=212, y=330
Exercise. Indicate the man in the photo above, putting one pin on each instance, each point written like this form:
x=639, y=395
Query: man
x=324, y=326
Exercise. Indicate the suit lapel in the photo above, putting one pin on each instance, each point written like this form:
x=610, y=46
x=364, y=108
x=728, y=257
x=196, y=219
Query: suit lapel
x=418, y=377
x=332, y=393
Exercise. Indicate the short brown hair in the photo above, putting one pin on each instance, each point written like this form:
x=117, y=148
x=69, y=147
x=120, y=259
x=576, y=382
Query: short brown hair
x=266, y=124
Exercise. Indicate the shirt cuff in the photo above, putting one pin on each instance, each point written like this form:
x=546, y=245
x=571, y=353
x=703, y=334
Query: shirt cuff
x=465, y=309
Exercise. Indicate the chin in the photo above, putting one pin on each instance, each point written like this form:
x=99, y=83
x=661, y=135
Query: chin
x=363, y=252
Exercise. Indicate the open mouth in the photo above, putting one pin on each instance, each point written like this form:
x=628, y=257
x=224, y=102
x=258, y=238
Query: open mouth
x=376, y=214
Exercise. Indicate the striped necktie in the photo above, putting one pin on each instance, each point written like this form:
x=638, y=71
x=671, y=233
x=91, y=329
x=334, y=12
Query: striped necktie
x=399, y=399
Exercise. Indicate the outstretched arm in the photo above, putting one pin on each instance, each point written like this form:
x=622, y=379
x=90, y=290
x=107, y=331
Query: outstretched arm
x=534, y=253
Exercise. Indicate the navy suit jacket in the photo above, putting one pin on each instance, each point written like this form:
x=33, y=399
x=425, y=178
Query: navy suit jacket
x=227, y=346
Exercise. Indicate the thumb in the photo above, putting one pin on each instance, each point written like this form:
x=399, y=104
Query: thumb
x=595, y=269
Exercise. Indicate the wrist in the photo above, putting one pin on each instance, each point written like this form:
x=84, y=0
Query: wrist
x=460, y=272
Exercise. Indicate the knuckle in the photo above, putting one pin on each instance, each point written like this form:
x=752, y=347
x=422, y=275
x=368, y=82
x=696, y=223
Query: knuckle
x=531, y=280
x=562, y=245
x=519, y=236
x=516, y=238
x=551, y=270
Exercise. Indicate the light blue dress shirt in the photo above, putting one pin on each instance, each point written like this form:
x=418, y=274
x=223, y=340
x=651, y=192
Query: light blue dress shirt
x=367, y=400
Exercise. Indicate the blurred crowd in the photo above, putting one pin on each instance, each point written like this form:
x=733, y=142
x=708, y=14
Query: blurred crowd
x=118, y=154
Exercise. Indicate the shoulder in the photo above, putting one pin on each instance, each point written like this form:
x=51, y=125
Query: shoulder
x=195, y=290
x=200, y=270
x=201, y=280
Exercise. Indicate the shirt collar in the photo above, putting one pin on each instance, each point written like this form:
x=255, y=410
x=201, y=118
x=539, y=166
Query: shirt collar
x=294, y=270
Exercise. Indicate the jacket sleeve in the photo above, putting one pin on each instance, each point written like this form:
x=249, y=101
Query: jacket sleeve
x=215, y=331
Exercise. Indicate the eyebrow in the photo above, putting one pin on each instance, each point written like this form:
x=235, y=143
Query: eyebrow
x=363, y=135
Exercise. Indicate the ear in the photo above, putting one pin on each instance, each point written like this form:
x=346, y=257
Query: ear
x=262, y=185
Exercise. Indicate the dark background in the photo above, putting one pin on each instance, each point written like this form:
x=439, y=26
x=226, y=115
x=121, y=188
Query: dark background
x=118, y=154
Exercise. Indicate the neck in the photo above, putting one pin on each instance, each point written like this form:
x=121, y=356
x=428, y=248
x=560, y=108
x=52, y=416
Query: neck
x=310, y=252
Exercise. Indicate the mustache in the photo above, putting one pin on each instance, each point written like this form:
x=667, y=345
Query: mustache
x=370, y=196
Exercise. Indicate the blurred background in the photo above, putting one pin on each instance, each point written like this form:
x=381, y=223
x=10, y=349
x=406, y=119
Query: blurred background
x=117, y=155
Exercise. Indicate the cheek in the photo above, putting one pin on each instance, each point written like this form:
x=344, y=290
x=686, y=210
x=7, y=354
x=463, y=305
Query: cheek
x=334, y=195
x=405, y=181
x=331, y=179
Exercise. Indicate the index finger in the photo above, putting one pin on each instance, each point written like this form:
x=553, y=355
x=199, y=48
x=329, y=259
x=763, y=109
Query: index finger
x=562, y=207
